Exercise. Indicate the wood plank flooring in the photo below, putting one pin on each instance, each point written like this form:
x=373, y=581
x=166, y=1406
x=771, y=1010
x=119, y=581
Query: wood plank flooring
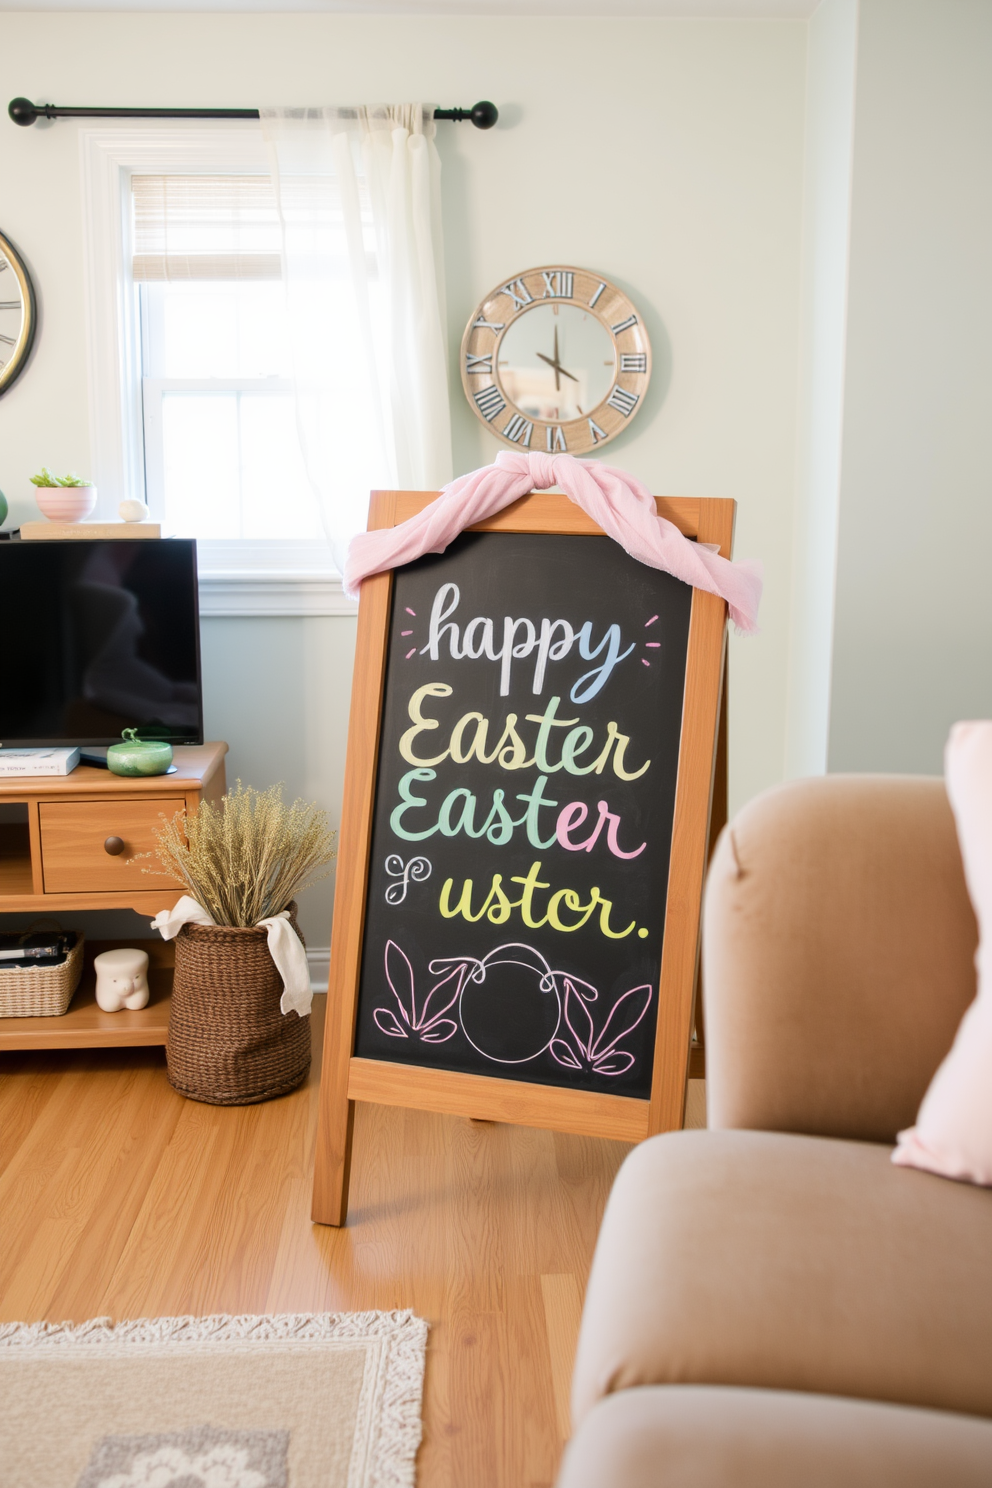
x=120, y=1198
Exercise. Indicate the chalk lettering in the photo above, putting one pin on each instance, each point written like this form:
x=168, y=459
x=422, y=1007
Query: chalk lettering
x=521, y=639
x=422, y=724
x=575, y=814
x=497, y=906
x=469, y=737
x=596, y=678
x=457, y=813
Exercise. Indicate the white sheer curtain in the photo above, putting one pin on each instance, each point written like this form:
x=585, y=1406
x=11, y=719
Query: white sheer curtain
x=359, y=203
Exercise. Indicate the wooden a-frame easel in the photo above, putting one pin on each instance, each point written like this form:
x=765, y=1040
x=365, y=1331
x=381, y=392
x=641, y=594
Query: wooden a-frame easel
x=700, y=811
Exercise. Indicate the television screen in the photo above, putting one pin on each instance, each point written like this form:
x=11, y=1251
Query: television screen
x=98, y=637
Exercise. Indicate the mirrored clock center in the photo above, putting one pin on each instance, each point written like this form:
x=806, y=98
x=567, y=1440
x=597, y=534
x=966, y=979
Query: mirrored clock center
x=556, y=362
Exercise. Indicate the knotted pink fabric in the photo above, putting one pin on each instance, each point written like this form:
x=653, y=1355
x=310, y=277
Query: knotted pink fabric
x=616, y=502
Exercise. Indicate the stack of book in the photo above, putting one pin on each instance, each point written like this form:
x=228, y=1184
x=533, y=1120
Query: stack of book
x=38, y=761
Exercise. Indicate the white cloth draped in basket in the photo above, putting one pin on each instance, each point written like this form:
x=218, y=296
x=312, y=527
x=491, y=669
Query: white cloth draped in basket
x=285, y=948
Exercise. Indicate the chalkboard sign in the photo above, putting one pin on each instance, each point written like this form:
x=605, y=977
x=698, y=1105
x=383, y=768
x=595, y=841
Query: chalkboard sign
x=523, y=812
x=512, y=868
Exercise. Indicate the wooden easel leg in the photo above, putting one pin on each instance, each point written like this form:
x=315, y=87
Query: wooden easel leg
x=721, y=776
x=332, y=1162
x=335, y=1113
x=701, y=714
x=718, y=820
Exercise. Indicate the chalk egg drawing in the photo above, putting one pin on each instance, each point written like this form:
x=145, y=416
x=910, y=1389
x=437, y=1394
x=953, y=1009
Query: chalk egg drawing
x=510, y=1005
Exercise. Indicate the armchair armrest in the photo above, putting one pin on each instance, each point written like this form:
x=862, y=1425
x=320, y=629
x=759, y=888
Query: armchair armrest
x=838, y=956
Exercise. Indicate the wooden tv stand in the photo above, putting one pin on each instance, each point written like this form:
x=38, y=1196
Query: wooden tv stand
x=64, y=858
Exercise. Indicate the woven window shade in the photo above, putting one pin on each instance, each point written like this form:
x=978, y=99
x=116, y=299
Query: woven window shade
x=205, y=227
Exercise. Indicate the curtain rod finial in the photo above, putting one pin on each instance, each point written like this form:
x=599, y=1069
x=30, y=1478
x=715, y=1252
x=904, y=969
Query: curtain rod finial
x=22, y=111
x=483, y=115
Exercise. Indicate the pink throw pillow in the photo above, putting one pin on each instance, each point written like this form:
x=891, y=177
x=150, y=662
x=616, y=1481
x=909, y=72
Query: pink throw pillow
x=953, y=1131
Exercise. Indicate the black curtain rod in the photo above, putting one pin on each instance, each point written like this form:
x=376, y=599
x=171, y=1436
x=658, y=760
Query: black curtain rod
x=23, y=111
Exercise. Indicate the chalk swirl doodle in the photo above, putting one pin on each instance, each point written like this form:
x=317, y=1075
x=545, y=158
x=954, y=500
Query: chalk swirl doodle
x=416, y=871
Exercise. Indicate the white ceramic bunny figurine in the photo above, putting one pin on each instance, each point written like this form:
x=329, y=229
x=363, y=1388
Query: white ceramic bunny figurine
x=121, y=980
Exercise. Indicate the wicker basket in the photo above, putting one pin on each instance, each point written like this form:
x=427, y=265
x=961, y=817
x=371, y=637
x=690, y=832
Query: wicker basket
x=41, y=991
x=228, y=1043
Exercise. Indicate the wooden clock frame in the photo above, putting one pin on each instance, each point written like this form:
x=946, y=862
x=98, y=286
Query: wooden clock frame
x=558, y=284
x=11, y=367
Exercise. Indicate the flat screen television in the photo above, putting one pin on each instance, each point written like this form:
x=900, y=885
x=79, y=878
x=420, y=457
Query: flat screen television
x=97, y=637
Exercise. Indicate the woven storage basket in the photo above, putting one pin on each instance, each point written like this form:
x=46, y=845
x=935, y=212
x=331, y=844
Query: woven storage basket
x=228, y=1043
x=41, y=991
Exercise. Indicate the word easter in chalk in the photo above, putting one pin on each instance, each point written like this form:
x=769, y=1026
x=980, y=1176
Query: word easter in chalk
x=552, y=642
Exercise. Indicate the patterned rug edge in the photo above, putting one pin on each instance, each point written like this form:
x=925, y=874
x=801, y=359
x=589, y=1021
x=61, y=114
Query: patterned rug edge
x=403, y=1334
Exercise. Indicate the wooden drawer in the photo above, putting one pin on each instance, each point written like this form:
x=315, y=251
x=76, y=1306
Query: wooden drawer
x=74, y=857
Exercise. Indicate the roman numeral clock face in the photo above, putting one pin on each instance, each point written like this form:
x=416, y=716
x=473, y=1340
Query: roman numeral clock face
x=17, y=314
x=556, y=359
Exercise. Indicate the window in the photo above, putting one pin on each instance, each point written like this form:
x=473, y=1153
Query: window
x=222, y=458
x=232, y=373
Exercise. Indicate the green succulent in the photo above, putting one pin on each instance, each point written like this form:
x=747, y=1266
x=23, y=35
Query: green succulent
x=47, y=479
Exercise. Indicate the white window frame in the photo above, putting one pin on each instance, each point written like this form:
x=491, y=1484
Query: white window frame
x=237, y=577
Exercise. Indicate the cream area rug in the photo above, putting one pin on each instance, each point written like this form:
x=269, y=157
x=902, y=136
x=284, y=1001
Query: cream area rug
x=325, y=1400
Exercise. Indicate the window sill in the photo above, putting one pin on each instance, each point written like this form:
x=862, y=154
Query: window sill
x=229, y=595
x=242, y=577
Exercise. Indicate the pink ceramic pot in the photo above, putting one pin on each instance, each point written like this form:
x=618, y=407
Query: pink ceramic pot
x=66, y=503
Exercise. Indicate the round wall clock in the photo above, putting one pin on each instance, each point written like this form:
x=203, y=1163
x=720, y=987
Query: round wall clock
x=556, y=359
x=18, y=317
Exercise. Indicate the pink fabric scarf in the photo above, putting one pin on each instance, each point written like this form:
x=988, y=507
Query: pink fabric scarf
x=615, y=501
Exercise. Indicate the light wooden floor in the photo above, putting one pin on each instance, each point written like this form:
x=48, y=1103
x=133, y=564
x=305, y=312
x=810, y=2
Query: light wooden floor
x=120, y=1198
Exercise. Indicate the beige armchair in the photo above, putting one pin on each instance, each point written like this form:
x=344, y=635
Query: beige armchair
x=772, y=1302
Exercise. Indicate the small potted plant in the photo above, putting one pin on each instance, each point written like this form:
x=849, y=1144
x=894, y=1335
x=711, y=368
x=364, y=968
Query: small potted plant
x=63, y=498
x=243, y=862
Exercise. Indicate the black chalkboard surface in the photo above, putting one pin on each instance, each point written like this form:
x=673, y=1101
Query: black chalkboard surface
x=522, y=826
x=532, y=750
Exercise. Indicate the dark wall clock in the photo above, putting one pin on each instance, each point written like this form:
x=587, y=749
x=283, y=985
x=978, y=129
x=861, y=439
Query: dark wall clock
x=556, y=359
x=18, y=314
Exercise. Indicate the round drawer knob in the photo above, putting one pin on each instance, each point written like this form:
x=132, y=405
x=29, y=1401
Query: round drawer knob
x=114, y=846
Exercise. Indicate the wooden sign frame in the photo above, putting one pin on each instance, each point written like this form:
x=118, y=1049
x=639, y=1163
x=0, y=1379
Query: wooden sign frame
x=345, y=1078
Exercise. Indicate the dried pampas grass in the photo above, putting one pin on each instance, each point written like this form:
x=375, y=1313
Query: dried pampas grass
x=247, y=857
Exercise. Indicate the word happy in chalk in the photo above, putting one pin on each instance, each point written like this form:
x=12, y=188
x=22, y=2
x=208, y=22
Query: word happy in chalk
x=551, y=642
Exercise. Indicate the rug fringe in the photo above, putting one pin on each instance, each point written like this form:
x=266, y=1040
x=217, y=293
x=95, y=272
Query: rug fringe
x=219, y=1328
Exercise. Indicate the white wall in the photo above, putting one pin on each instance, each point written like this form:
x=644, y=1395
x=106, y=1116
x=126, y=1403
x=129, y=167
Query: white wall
x=832, y=56
x=913, y=638
x=666, y=153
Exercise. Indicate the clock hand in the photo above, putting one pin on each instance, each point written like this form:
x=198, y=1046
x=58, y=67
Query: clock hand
x=557, y=368
x=558, y=365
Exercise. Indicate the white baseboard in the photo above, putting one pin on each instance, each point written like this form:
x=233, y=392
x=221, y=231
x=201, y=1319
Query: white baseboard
x=319, y=961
